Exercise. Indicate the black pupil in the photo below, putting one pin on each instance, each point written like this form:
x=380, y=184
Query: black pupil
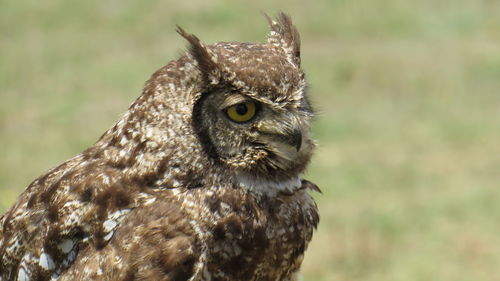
x=241, y=109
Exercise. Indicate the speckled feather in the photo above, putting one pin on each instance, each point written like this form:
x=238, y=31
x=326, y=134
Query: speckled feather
x=175, y=190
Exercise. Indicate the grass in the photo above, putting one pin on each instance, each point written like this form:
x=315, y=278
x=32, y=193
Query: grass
x=408, y=95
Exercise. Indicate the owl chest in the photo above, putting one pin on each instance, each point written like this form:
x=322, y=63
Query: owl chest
x=258, y=242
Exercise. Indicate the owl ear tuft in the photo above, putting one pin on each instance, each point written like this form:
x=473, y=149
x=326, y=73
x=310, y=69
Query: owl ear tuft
x=206, y=63
x=285, y=35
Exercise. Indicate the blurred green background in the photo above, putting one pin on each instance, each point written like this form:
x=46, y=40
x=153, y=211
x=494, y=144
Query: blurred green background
x=408, y=96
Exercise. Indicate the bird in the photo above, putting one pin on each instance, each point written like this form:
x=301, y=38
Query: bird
x=200, y=179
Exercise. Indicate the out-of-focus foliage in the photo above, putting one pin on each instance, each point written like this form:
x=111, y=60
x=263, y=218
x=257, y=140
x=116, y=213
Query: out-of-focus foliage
x=408, y=96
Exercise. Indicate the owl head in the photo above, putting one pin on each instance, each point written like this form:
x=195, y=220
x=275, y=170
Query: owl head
x=253, y=114
x=239, y=107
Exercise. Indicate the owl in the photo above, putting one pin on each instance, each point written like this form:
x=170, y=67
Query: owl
x=199, y=180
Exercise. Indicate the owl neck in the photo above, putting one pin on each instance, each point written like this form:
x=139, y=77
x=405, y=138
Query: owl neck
x=268, y=187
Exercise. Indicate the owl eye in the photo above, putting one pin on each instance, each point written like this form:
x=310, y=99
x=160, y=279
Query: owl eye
x=242, y=112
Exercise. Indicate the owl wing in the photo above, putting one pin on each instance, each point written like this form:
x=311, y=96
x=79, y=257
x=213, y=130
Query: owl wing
x=154, y=242
x=98, y=236
x=74, y=208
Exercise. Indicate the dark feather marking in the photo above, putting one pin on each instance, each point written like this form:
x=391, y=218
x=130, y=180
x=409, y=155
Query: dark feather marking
x=87, y=194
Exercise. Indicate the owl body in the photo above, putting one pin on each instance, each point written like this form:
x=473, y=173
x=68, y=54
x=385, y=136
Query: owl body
x=199, y=180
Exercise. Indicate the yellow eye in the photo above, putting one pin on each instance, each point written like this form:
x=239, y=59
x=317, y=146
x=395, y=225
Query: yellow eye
x=241, y=112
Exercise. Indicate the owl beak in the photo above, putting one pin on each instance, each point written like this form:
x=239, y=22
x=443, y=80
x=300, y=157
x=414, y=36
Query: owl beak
x=287, y=132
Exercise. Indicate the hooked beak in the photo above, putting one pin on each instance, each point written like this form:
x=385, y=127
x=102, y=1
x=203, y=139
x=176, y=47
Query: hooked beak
x=287, y=132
